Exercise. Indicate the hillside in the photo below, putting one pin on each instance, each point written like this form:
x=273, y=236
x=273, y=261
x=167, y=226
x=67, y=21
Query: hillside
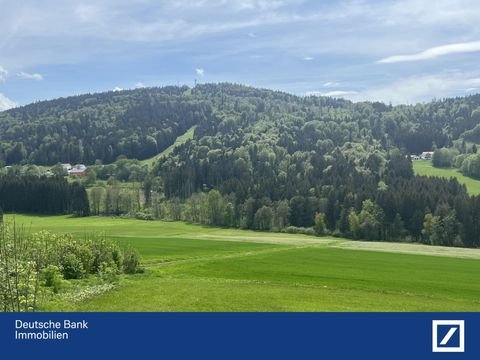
x=137, y=124
x=143, y=122
x=261, y=159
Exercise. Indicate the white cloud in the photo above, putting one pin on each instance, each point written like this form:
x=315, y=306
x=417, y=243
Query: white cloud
x=3, y=74
x=6, y=103
x=140, y=85
x=28, y=76
x=331, y=84
x=65, y=22
x=116, y=89
x=439, y=12
x=416, y=89
x=200, y=71
x=434, y=52
x=339, y=93
x=348, y=36
x=69, y=25
x=258, y=5
x=336, y=93
x=412, y=90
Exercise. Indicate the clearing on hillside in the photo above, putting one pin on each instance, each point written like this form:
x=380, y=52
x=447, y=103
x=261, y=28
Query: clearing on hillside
x=425, y=167
x=188, y=135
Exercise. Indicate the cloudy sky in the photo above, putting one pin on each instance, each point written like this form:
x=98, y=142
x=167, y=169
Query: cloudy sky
x=395, y=51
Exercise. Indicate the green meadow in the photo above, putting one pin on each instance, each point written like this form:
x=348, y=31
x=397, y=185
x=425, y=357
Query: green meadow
x=188, y=135
x=195, y=268
x=425, y=167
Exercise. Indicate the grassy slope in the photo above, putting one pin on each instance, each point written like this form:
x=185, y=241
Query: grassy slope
x=194, y=268
x=425, y=167
x=180, y=140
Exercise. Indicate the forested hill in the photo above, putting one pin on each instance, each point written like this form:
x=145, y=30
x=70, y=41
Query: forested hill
x=262, y=159
x=81, y=129
x=143, y=122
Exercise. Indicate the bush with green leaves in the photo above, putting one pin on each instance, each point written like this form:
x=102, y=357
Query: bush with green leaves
x=444, y=157
x=34, y=265
x=52, y=278
x=131, y=261
x=319, y=226
x=108, y=272
x=75, y=257
x=72, y=267
x=471, y=166
x=144, y=215
x=299, y=230
x=105, y=252
x=19, y=270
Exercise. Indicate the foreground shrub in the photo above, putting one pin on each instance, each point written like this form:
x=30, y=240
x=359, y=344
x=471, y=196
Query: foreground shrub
x=131, y=261
x=72, y=267
x=34, y=265
x=75, y=257
x=144, y=216
x=19, y=271
x=299, y=230
x=105, y=252
x=108, y=272
x=52, y=278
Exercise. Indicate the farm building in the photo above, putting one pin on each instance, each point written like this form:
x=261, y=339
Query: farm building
x=426, y=155
x=78, y=170
x=67, y=166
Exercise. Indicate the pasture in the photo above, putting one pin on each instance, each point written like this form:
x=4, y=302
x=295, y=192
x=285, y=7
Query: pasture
x=195, y=268
x=425, y=168
x=188, y=135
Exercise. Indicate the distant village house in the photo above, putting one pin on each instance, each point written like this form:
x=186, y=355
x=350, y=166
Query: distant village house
x=426, y=155
x=67, y=166
x=78, y=170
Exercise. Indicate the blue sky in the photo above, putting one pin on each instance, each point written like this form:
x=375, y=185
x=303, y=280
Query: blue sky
x=393, y=51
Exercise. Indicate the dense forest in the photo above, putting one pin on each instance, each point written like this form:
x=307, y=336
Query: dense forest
x=262, y=159
x=136, y=124
x=40, y=195
x=141, y=123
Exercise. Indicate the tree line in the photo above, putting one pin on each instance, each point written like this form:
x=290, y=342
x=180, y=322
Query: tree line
x=41, y=195
x=347, y=203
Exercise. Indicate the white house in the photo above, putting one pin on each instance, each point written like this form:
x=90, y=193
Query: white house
x=80, y=167
x=426, y=155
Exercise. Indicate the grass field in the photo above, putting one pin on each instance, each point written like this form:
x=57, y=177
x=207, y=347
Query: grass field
x=425, y=167
x=195, y=268
x=179, y=140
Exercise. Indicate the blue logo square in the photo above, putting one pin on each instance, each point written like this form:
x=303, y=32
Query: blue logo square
x=446, y=337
